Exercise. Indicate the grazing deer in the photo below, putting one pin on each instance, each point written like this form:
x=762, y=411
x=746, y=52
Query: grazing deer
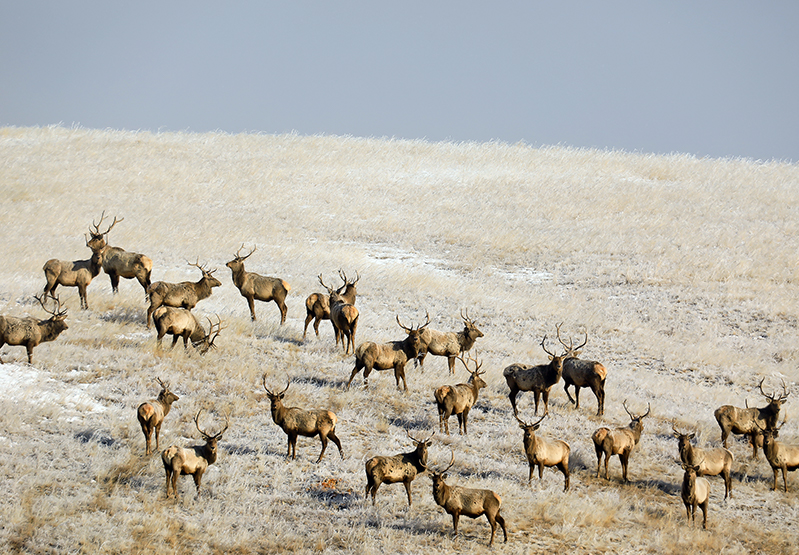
x=254, y=287
x=151, y=414
x=538, y=379
x=619, y=441
x=582, y=373
x=30, y=332
x=449, y=344
x=343, y=316
x=780, y=456
x=191, y=460
x=695, y=491
x=317, y=305
x=298, y=422
x=403, y=467
x=459, y=399
x=710, y=462
x=750, y=421
x=185, y=294
x=79, y=273
x=179, y=322
x=118, y=262
x=543, y=452
x=469, y=502
x=383, y=356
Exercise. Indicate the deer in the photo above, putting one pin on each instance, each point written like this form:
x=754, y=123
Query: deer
x=403, y=467
x=193, y=460
x=299, y=422
x=384, y=356
x=449, y=344
x=710, y=462
x=343, y=316
x=750, y=421
x=180, y=322
x=543, y=452
x=118, y=262
x=780, y=456
x=619, y=441
x=538, y=379
x=254, y=287
x=317, y=305
x=582, y=373
x=695, y=492
x=469, y=502
x=151, y=414
x=185, y=294
x=30, y=332
x=459, y=399
x=78, y=273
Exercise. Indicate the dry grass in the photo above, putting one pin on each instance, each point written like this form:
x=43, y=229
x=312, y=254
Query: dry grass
x=682, y=271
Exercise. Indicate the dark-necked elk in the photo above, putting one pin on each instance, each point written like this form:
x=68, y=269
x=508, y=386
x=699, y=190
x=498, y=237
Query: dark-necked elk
x=750, y=421
x=449, y=344
x=118, y=262
x=255, y=287
x=780, y=456
x=30, y=332
x=78, y=273
x=384, y=356
x=185, y=294
x=582, y=373
x=317, y=305
x=179, y=322
x=543, y=452
x=459, y=399
x=403, y=467
x=343, y=316
x=618, y=441
x=709, y=462
x=695, y=492
x=469, y=502
x=193, y=460
x=300, y=422
x=538, y=379
x=151, y=414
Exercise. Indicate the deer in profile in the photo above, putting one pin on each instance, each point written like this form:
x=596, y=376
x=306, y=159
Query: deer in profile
x=30, y=332
x=151, y=414
x=618, y=441
x=185, y=294
x=582, y=373
x=750, y=421
x=469, y=502
x=543, y=452
x=459, y=399
x=695, y=492
x=317, y=305
x=538, y=379
x=403, y=467
x=384, y=356
x=343, y=316
x=254, y=287
x=118, y=262
x=78, y=273
x=299, y=422
x=780, y=456
x=193, y=460
x=709, y=462
x=179, y=322
x=449, y=344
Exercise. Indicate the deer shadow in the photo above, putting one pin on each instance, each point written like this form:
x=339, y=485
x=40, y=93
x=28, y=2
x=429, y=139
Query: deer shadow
x=102, y=437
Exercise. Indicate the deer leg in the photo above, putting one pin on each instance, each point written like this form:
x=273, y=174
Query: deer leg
x=29, y=348
x=323, y=438
x=530, y=477
x=455, y=516
x=624, y=458
x=576, y=396
x=607, y=460
x=703, y=506
x=292, y=450
x=465, y=419
x=407, y=484
x=174, y=340
x=537, y=398
x=282, y=306
x=198, y=476
x=354, y=373
x=82, y=294
x=545, y=399
x=512, y=397
x=168, y=477
x=687, y=510
x=308, y=319
x=251, y=304
x=332, y=435
x=600, y=399
x=753, y=440
x=499, y=518
x=493, y=524
x=564, y=468
x=727, y=484
x=566, y=389
x=157, y=433
x=451, y=363
x=114, y=282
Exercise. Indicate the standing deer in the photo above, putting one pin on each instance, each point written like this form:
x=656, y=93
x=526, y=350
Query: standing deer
x=543, y=452
x=30, y=332
x=118, y=262
x=403, y=467
x=254, y=287
x=582, y=373
x=709, y=462
x=185, y=294
x=780, y=456
x=538, y=379
x=193, y=460
x=459, y=399
x=317, y=305
x=449, y=344
x=151, y=414
x=78, y=273
x=695, y=491
x=343, y=316
x=619, y=441
x=179, y=322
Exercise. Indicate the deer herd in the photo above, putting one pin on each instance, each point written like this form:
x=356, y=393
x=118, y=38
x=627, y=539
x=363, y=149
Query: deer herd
x=170, y=310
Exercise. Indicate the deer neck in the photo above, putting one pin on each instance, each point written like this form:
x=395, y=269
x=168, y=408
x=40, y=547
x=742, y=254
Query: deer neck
x=165, y=405
x=441, y=494
x=689, y=485
x=51, y=328
x=209, y=453
x=239, y=275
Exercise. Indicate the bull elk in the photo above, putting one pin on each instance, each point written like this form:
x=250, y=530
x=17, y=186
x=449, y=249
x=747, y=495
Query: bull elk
x=619, y=441
x=30, y=332
x=695, y=492
x=343, y=316
x=538, y=379
x=185, y=294
x=118, y=262
x=78, y=273
x=780, y=456
x=179, y=322
x=151, y=414
x=403, y=467
x=449, y=344
x=459, y=399
x=709, y=462
x=255, y=287
x=317, y=305
x=582, y=373
x=543, y=452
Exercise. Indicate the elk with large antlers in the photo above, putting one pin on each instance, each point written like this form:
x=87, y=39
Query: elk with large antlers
x=538, y=379
x=384, y=356
x=255, y=287
x=709, y=462
x=343, y=316
x=695, y=492
x=179, y=322
x=619, y=441
x=193, y=460
x=780, y=456
x=30, y=332
x=543, y=452
x=118, y=262
x=459, y=399
x=582, y=373
x=449, y=344
x=403, y=467
x=299, y=422
x=78, y=273
x=151, y=414
x=185, y=294
x=317, y=305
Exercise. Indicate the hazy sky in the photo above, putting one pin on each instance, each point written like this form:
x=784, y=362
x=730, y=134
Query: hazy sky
x=714, y=78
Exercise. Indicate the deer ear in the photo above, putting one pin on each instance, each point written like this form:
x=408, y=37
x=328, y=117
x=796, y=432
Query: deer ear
x=692, y=435
x=444, y=476
x=551, y=357
x=576, y=353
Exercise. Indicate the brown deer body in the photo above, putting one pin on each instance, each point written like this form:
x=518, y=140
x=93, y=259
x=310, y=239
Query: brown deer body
x=538, y=379
x=403, y=467
x=30, y=332
x=118, y=262
x=459, y=399
x=179, y=322
x=695, y=492
x=255, y=287
x=317, y=305
x=343, y=316
x=449, y=344
x=780, y=456
x=185, y=294
x=618, y=441
x=709, y=462
x=582, y=373
x=78, y=273
x=543, y=452
x=151, y=414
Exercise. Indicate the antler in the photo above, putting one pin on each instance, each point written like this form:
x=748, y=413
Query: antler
x=162, y=384
x=97, y=225
x=466, y=318
x=275, y=394
x=525, y=424
x=238, y=253
x=570, y=348
x=477, y=364
x=451, y=462
x=543, y=346
x=56, y=312
x=343, y=277
x=417, y=440
x=201, y=268
x=205, y=434
x=329, y=289
x=407, y=329
x=214, y=333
